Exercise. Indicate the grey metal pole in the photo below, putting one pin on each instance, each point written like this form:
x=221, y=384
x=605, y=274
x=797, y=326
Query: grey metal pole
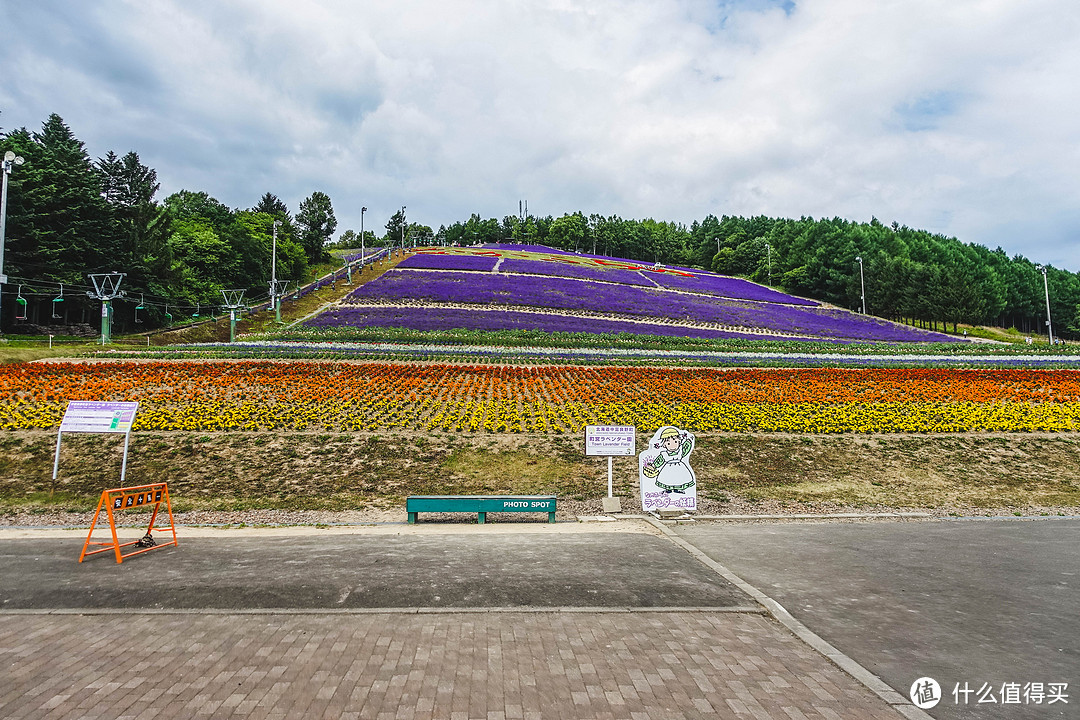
x=862, y=285
x=106, y=329
x=3, y=228
x=362, y=211
x=1049, y=326
x=273, y=275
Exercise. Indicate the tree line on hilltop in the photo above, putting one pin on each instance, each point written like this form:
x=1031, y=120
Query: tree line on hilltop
x=909, y=275
x=69, y=215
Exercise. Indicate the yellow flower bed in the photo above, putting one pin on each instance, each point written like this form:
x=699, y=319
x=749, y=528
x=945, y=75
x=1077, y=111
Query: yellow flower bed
x=250, y=396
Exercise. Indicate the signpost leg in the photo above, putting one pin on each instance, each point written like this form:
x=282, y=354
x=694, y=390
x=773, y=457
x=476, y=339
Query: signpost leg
x=56, y=461
x=123, y=465
x=609, y=476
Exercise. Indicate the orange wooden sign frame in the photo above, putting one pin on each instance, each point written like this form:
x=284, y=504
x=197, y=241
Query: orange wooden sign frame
x=125, y=499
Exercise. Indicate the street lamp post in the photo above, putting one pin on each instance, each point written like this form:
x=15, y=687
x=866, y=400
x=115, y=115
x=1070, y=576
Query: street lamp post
x=1046, y=289
x=402, y=229
x=362, y=211
x=273, y=275
x=10, y=159
x=768, y=255
x=862, y=284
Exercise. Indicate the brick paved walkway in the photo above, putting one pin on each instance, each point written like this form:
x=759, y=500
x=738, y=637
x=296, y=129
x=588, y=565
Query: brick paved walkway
x=502, y=665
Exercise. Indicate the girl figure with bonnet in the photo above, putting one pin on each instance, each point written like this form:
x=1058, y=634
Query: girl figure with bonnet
x=669, y=469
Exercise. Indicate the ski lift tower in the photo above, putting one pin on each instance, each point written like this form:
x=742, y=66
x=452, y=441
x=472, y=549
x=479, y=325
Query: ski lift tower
x=232, y=304
x=278, y=289
x=106, y=289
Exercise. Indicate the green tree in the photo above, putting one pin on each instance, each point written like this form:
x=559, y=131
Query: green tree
x=291, y=259
x=58, y=224
x=395, y=229
x=143, y=227
x=568, y=232
x=316, y=223
x=272, y=205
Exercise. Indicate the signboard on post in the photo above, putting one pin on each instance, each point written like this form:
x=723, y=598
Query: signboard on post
x=108, y=417
x=86, y=416
x=610, y=440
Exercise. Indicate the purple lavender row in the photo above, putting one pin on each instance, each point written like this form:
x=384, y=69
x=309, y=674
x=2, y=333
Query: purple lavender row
x=704, y=283
x=371, y=256
x=545, y=249
x=579, y=272
x=435, y=318
x=729, y=287
x=567, y=294
x=450, y=261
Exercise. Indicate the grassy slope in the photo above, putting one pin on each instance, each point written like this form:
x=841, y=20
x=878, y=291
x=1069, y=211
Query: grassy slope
x=340, y=471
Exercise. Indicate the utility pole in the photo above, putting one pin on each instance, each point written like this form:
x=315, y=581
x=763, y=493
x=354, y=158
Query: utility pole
x=402, y=229
x=862, y=284
x=106, y=289
x=273, y=275
x=1046, y=289
x=10, y=159
x=232, y=304
x=362, y=211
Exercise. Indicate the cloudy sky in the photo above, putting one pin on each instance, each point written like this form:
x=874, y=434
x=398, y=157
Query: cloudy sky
x=959, y=117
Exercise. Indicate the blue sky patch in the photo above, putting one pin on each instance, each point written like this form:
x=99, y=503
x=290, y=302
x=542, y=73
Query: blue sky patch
x=926, y=111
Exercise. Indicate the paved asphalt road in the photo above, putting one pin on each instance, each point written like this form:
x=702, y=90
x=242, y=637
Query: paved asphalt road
x=368, y=571
x=964, y=601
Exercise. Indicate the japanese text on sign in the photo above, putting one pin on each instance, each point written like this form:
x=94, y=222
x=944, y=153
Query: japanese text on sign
x=609, y=440
x=94, y=417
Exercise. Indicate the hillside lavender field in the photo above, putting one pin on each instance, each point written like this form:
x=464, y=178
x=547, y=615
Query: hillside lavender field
x=535, y=288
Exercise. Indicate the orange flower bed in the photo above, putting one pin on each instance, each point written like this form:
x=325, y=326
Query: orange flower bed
x=492, y=398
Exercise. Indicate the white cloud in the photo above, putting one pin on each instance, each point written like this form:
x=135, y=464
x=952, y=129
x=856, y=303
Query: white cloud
x=958, y=117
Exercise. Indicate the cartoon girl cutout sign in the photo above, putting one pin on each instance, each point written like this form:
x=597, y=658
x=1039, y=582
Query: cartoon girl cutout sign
x=664, y=473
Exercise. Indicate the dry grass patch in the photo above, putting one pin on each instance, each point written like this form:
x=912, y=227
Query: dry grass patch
x=335, y=471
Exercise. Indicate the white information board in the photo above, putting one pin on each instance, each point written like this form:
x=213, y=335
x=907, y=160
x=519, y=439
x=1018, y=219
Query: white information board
x=106, y=417
x=88, y=416
x=609, y=440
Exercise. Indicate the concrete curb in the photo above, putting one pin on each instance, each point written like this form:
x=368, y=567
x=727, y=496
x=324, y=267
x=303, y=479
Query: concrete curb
x=734, y=610
x=801, y=516
x=868, y=679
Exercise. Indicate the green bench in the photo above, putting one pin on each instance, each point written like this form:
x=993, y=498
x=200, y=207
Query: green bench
x=480, y=504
